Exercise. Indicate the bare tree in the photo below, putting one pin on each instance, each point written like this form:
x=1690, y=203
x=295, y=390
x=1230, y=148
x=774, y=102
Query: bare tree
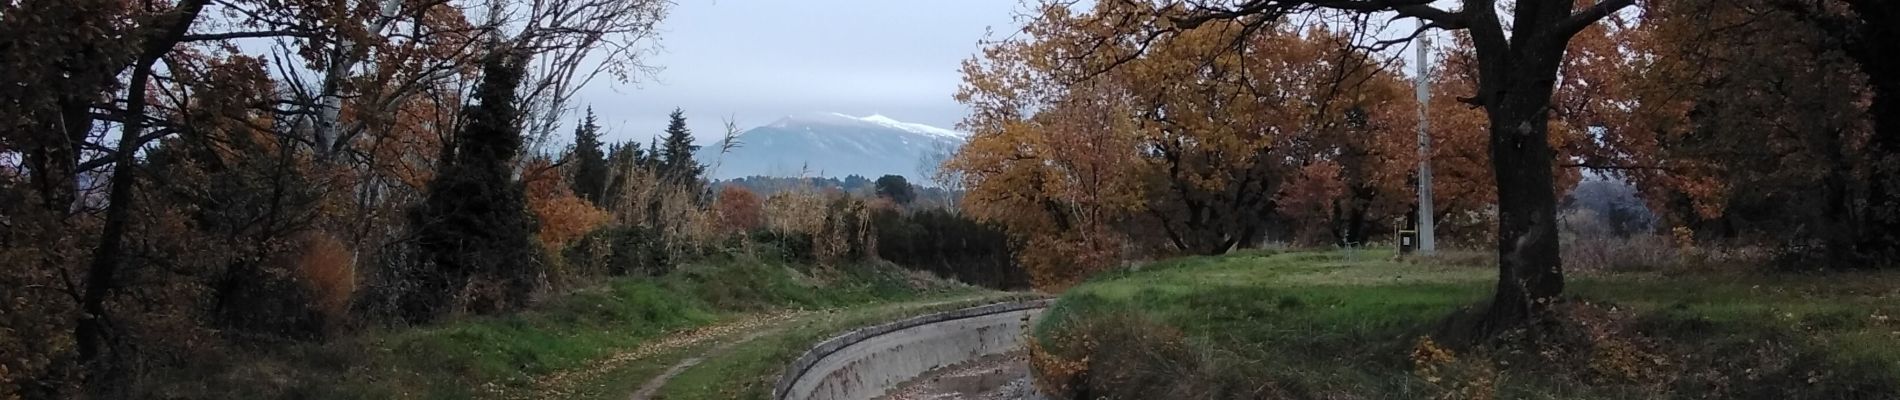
x=930, y=167
x=572, y=42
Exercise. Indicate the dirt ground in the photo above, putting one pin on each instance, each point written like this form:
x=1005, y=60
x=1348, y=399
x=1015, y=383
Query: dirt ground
x=997, y=377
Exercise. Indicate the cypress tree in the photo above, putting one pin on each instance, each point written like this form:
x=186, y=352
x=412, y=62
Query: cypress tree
x=475, y=235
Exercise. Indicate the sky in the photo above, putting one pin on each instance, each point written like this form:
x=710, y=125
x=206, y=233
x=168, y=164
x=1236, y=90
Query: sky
x=755, y=61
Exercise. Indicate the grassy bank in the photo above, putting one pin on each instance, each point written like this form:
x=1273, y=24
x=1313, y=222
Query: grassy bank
x=1361, y=325
x=510, y=356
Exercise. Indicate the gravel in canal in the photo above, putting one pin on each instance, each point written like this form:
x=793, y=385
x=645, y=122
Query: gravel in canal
x=996, y=377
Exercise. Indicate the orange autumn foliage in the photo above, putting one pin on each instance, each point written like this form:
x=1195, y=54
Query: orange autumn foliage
x=1309, y=198
x=328, y=268
x=739, y=210
x=1183, y=145
x=1766, y=135
x=1588, y=126
x=564, y=216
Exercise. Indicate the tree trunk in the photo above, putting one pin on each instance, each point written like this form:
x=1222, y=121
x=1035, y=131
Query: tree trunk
x=327, y=136
x=1356, y=219
x=89, y=330
x=1530, y=273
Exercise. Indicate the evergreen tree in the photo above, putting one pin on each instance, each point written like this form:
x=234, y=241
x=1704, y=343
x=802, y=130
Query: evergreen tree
x=622, y=160
x=474, y=232
x=896, y=188
x=858, y=184
x=590, y=163
x=676, y=155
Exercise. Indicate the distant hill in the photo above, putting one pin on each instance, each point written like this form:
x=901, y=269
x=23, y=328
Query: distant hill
x=833, y=145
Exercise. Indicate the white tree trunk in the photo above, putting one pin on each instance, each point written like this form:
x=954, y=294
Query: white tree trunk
x=326, y=136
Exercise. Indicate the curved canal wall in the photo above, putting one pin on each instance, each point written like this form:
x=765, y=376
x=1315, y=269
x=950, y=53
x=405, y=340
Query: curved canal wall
x=863, y=363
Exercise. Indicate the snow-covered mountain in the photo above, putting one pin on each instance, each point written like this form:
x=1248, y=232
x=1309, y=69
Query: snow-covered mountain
x=833, y=145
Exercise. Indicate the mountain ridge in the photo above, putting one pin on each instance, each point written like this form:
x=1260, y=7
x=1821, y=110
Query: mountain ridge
x=834, y=145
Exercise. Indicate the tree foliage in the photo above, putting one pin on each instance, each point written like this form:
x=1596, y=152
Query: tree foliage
x=563, y=216
x=1764, y=133
x=588, y=161
x=180, y=179
x=740, y=210
x=1198, y=140
x=475, y=232
x=675, y=154
x=948, y=244
x=1070, y=70
x=169, y=190
x=895, y=188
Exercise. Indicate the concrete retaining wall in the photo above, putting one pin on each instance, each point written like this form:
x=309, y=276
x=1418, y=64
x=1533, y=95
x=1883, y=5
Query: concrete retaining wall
x=863, y=363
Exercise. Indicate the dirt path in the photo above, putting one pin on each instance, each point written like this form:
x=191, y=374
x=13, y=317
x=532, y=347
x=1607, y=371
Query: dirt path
x=653, y=386
x=560, y=384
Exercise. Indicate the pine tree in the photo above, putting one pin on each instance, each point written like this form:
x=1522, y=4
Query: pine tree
x=650, y=159
x=896, y=188
x=590, y=163
x=676, y=153
x=474, y=232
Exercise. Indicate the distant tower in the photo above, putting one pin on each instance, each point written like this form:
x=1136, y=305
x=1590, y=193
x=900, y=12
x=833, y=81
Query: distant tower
x=1426, y=244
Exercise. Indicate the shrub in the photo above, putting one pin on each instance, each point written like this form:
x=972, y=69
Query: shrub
x=795, y=212
x=948, y=244
x=1128, y=355
x=1605, y=253
x=328, y=271
x=624, y=250
x=739, y=210
x=793, y=247
x=846, y=234
x=564, y=217
x=838, y=226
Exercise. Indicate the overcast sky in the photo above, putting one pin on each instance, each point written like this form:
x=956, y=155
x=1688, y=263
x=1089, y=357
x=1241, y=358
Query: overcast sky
x=755, y=61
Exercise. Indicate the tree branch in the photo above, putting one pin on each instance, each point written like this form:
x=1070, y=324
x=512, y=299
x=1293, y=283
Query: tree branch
x=113, y=156
x=1406, y=8
x=1583, y=19
x=1420, y=9
x=1616, y=167
x=246, y=35
x=1381, y=45
x=1486, y=31
x=1252, y=7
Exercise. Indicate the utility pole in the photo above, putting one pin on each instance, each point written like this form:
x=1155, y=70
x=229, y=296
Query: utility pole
x=1426, y=244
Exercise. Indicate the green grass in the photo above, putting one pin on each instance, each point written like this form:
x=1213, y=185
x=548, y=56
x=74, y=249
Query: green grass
x=504, y=356
x=619, y=383
x=1332, y=324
